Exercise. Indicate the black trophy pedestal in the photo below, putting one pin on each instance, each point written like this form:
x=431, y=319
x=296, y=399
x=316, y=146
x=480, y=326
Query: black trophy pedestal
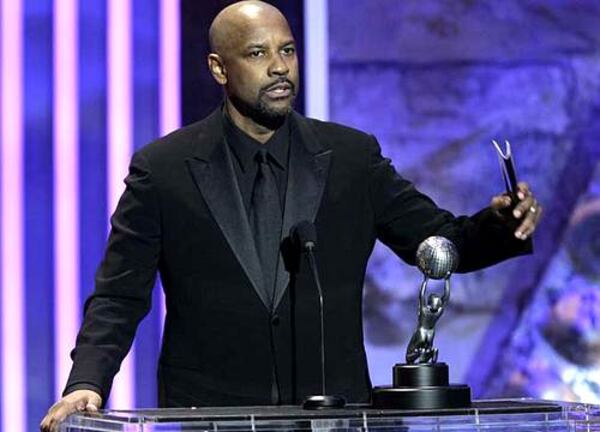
x=324, y=402
x=422, y=386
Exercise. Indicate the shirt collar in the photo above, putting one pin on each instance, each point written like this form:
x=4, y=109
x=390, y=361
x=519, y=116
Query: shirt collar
x=244, y=147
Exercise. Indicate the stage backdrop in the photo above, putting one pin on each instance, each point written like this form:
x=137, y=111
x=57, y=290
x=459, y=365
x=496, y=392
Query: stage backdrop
x=85, y=83
x=436, y=81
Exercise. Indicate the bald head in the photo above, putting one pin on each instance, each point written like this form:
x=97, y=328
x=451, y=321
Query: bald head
x=232, y=25
x=254, y=58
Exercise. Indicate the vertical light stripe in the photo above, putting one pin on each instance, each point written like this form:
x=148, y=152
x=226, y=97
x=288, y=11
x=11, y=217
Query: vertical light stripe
x=12, y=253
x=120, y=131
x=66, y=193
x=170, y=80
x=316, y=43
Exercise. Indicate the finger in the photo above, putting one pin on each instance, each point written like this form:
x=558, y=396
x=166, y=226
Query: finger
x=523, y=206
x=500, y=201
x=93, y=403
x=63, y=409
x=523, y=190
x=530, y=228
x=529, y=224
x=48, y=424
x=53, y=425
x=91, y=407
x=45, y=424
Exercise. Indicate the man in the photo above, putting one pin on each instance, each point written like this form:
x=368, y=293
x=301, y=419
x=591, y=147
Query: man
x=211, y=207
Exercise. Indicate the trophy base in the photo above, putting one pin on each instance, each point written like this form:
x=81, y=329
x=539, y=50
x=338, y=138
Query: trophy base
x=322, y=402
x=422, y=398
x=422, y=386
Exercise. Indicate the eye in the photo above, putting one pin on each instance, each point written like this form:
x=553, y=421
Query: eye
x=290, y=50
x=256, y=53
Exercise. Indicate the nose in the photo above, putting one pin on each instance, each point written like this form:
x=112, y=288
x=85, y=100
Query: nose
x=279, y=66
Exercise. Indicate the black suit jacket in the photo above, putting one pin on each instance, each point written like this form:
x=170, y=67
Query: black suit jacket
x=182, y=214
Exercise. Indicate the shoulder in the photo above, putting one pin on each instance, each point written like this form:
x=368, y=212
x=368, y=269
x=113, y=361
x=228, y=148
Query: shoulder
x=337, y=137
x=332, y=130
x=185, y=139
x=183, y=143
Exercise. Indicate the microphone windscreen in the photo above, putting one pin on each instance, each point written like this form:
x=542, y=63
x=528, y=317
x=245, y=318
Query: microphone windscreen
x=305, y=234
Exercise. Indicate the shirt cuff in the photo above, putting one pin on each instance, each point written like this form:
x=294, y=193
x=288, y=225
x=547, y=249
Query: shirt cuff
x=83, y=386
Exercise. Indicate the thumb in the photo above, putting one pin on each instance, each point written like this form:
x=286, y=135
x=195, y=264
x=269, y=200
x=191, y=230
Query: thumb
x=500, y=201
x=91, y=407
x=93, y=402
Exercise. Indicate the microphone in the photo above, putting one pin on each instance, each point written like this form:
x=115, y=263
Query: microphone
x=304, y=234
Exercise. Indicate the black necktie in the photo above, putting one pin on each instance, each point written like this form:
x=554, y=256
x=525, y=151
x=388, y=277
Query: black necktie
x=266, y=219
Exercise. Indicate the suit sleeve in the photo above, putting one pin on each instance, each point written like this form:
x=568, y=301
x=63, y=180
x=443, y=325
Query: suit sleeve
x=404, y=217
x=124, y=283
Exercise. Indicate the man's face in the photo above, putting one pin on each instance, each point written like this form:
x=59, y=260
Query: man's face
x=262, y=69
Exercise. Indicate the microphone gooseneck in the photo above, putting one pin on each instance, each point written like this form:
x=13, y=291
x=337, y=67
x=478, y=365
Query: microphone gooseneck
x=313, y=266
x=304, y=234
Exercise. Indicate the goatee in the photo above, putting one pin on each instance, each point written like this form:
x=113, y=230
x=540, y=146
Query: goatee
x=261, y=112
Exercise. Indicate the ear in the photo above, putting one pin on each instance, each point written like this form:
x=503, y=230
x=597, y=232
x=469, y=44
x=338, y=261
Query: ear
x=217, y=68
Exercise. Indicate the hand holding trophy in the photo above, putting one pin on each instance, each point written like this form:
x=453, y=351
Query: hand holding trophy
x=422, y=382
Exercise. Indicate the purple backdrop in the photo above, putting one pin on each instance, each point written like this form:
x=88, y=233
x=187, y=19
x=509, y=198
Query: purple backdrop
x=435, y=81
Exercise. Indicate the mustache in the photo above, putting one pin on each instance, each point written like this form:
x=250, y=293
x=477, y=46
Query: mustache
x=277, y=82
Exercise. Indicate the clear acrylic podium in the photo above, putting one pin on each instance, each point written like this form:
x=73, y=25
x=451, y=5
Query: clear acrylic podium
x=514, y=415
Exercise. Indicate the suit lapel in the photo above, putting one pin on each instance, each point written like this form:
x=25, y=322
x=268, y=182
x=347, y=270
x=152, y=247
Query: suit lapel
x=308, y=170
x=212, y=170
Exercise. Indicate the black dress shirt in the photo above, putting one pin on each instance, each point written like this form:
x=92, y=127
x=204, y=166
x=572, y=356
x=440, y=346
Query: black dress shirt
x=244, y=148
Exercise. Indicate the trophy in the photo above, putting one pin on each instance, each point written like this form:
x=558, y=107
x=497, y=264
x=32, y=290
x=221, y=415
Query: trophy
x=422, y=382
